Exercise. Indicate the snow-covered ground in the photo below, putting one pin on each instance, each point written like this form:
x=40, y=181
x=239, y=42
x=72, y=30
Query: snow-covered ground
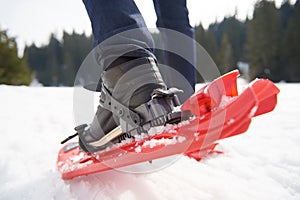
x=263, y=163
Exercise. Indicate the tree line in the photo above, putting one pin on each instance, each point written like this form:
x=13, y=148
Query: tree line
x=268, y=42
x=58, y=62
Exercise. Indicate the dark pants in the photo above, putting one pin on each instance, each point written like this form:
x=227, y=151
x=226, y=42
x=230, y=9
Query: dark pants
x=112, y=17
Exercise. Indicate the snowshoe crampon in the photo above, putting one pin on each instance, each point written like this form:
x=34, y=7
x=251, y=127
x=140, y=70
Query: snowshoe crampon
x=219, y=112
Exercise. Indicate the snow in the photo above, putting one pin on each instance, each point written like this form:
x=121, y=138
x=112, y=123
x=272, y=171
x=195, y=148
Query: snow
x=263, y=163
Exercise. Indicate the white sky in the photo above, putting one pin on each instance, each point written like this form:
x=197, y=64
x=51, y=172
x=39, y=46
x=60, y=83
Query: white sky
x=34, y=20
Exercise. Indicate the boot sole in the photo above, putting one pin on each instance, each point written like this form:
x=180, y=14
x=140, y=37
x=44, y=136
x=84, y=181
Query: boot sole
x=108, y=137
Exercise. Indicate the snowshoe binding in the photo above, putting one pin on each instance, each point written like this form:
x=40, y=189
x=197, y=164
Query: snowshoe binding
x=134, y=98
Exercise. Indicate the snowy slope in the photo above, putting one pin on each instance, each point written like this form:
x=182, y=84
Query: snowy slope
x=263, y=163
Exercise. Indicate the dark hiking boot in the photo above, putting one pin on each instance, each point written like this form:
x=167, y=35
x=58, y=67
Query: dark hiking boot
x=133, y=98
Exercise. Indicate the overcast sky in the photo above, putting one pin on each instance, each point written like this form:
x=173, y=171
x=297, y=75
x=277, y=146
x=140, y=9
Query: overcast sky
x=34, y=20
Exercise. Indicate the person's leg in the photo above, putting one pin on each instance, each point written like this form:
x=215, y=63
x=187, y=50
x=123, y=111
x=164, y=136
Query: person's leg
x=173, y=14
x=129, y=70
x=118, y=27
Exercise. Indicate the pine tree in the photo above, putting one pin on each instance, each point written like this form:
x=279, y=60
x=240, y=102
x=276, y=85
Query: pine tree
x=226, y=59
x=291, y=48
x=286, y=12
x=263, y=42
x=54, y=61
x=208, y=42
x=75, y=47
x=13, y=70
x=47, y=61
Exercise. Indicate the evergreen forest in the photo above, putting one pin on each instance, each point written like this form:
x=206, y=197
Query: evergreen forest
x=269, y=43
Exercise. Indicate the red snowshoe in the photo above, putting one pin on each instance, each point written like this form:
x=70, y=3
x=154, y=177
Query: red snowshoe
x=219, y=112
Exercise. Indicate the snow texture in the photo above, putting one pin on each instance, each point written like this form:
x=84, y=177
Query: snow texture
x=263, y=163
